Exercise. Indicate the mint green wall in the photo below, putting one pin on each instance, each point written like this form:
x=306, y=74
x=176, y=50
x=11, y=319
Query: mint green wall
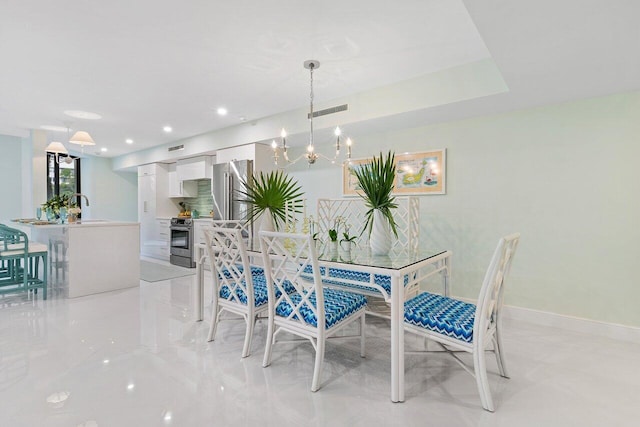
x=112, y=195
x=565, y=176
x=10, y=177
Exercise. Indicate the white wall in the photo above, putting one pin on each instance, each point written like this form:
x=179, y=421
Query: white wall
x=10, y=177
x=112, y=195
x=565, y=176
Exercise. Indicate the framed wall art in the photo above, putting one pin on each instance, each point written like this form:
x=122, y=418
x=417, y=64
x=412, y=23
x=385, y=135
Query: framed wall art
x=416, y=173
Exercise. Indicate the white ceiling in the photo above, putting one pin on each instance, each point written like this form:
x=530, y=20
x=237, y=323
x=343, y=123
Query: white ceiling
x=148, y=63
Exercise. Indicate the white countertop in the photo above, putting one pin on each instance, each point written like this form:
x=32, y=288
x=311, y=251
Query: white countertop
x=78, y=224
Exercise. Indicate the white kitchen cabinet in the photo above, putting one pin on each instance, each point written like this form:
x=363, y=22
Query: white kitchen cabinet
x=199, y=225
x=145, y=170
x=194, y=168
x=261, y=154
x=179, y=188
x=153, y=202
x=158, y=246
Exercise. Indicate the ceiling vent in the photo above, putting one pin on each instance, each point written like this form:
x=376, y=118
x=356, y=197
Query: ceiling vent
x=176, y=148
x=330, y=110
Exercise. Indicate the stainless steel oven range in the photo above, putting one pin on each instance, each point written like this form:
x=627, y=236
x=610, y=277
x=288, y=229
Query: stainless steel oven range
x=182, y=252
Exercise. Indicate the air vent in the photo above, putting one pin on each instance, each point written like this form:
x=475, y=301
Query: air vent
x=176, y=148
x=331, y=110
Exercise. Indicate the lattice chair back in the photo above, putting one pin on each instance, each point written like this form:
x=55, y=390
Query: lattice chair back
x=287, y=271
x=244, y=226
x=488, y=308
x=354, y=210
x=230, y=265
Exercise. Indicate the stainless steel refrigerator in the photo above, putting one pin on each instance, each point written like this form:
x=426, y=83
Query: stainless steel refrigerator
x=225, y=180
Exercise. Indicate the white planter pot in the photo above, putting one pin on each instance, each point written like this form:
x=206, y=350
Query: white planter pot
x=333, y=249
x=266, y=223
x=380, y=239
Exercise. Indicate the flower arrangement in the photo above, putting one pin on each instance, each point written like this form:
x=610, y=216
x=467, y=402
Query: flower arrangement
x=57, y=202
x=74, y=211
x=333, y=232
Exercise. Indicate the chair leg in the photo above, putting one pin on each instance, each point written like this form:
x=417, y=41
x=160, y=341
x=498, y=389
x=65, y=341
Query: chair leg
x=44, y=277
x=251, y=321
x=480, y=370
x=498, y=349
x=317, y=371
x=266, y=361
x=214, y=321
x=362, y=336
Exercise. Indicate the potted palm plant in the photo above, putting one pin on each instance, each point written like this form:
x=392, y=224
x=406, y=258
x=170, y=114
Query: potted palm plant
x=273, y=195
x=375, y=184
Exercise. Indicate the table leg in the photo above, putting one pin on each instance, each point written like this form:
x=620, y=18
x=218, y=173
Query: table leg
x=446, y=276
x=397, y=340
x=199, y=294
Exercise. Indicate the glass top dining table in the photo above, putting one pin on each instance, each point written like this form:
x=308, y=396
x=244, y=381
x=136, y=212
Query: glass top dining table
x=405, y=269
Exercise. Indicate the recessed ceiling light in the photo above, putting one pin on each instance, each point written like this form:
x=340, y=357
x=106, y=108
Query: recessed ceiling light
x=129, y=141
x=83, y=114
x=222, y=111
x=167, y=129
x=54, y=128
x=103, y=149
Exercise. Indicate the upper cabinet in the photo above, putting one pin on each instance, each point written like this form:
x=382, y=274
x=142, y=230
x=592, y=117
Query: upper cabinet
x=194, y=168
x=179, y=188
x=149, y=169
x=261, y=154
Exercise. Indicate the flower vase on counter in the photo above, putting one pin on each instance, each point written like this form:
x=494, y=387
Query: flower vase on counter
x=63, y=215
x=73, y=214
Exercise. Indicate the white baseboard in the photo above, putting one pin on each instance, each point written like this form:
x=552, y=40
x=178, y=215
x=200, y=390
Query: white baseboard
x=576, y=324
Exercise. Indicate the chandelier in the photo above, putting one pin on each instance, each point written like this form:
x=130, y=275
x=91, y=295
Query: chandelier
x=310, y=155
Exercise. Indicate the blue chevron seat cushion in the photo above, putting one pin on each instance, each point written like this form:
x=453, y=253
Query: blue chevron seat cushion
x=259, y=287
x=335, y=274
x=255, y=271
x=259, y=291
x=447, y=316
x=338, y=305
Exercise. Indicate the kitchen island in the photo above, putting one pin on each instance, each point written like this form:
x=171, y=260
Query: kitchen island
x=91, y=256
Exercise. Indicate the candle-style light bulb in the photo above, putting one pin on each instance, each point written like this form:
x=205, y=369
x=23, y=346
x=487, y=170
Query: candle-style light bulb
x=310, y=148
x=283, y=135
x=274, y=145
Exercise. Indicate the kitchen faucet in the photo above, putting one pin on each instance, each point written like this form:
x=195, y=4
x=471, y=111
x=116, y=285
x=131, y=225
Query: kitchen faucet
x=80, y=195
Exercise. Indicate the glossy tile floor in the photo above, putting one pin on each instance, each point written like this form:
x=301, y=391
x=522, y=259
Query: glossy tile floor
x=137, y=358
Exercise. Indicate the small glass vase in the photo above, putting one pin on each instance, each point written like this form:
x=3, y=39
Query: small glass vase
x=63, y=215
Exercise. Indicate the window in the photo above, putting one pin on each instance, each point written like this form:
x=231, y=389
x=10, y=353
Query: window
x=63, y=176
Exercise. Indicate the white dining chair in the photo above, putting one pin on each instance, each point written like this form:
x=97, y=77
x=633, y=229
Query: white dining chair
x=461, y=326
x=311, y=312
x=238, y=287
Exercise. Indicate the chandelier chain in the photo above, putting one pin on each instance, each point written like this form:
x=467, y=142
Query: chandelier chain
x=311, y=67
